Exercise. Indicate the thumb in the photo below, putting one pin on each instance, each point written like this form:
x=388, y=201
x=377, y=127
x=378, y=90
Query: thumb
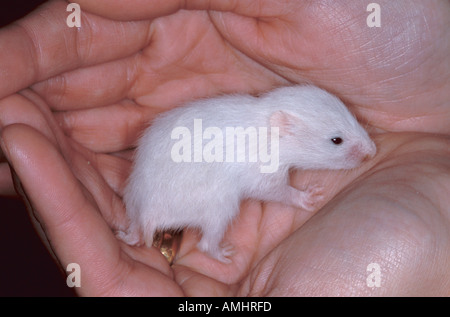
x=74, y=227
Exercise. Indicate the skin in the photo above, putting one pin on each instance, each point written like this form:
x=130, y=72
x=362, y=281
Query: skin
x=68, y=138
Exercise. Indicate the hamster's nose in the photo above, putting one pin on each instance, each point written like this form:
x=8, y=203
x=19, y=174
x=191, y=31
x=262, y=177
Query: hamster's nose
x=362, y=152
x=366, y=157
x=370, y=153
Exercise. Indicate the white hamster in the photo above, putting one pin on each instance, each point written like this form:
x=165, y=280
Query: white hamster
x=195, y=163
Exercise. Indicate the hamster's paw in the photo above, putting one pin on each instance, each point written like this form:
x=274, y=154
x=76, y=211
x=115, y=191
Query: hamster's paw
x=225, y=253
x=130, y=237
x=220, y=253
x=312, y=197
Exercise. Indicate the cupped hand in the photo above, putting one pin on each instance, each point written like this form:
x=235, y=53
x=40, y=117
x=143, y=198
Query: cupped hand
x=108, y=79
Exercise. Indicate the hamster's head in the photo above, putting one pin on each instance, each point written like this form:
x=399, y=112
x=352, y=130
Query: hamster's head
x=320, y=133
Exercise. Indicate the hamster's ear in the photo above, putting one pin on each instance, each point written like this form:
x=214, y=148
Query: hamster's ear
x=285, y=121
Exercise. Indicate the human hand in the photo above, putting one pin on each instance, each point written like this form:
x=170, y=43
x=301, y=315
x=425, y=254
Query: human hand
x=266, y=234
x=111, y=67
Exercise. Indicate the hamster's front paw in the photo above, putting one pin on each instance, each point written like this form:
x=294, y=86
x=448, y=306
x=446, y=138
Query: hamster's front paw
x=311, y=197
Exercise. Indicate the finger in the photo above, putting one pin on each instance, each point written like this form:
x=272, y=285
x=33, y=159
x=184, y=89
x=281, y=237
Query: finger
x=75, y=229
x=106, y=129
x=89, y=87
x=179, y=59
x=17, y=108
x=198, y=285
x=84, y=165
x=142, y=9
x=114, y=170
x=38, y=48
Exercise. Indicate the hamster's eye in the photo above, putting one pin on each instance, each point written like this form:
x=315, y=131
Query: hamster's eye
x=337, y=141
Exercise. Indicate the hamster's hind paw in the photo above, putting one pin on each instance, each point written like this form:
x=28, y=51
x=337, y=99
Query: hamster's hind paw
x=225, y=253
x=130, y=238
x=220, y=253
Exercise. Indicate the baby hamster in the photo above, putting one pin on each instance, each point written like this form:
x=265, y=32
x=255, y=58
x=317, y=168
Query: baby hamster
x=195, y=163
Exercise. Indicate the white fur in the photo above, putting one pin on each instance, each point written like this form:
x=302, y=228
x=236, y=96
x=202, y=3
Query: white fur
x=163, y=194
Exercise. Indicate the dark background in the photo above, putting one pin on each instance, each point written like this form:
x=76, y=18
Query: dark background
x=26, y=268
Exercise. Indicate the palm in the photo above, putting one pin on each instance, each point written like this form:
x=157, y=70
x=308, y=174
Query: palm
x=197, y=53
